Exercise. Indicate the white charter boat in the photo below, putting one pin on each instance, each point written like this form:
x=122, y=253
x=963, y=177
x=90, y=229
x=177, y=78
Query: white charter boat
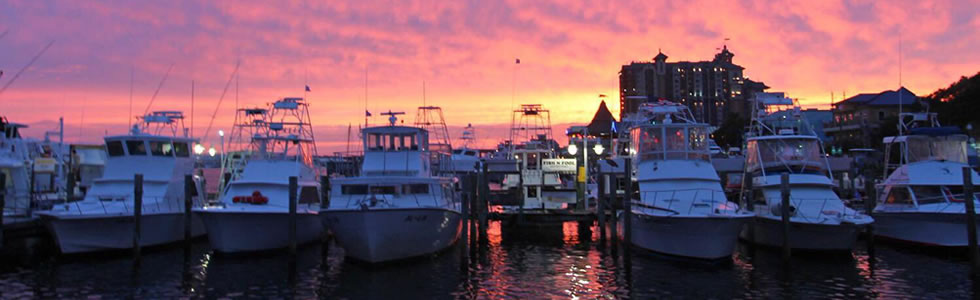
x=781, y=141
x=682, y=209
x=922, y=199
x=103, y=220
x=15, y=164
x=398, y=207
x=253, y=214
x=466, y=158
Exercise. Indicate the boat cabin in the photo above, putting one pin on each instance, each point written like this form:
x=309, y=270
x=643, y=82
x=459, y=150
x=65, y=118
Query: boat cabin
x=395, y=150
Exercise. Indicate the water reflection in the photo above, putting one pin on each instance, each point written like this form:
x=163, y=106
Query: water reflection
x=560, y=261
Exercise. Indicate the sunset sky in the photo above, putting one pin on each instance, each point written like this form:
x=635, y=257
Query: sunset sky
x=464, y=51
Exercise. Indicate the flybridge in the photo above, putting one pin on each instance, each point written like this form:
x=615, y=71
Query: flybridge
x=157, y=122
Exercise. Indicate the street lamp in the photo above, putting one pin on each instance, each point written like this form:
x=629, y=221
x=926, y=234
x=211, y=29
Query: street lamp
x=572, y=149
x=598, y=148
x=198, y=149
x=211, y=151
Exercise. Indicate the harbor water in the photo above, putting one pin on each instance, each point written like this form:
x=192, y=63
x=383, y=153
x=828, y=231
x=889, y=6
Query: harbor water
x=562, y=261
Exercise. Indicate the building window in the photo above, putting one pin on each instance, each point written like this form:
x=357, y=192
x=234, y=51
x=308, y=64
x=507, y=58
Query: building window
x=881, y=115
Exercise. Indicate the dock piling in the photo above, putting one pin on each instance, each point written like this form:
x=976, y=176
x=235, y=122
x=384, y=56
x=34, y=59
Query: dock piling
x=3, y=203
x=971, y=219
x=293, y=186
x=784, y=213
x=483, y=204
x=612, y=201
x=188, y=203
x=69, y=185
x=324, y=203
x=628, y=203
x=870, y=196
x=601, y=205
x=137, y=213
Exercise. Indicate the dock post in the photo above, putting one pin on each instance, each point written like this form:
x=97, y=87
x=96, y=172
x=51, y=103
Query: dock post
x=69, y=185
x=749, y=198
x=971, y=219
x=784, y=213
x=324, y=191
x=324, y=203
x=293, y=186
x=600, y=205
x=612, y=201
x=3, y=203
x=465, y=212
x=870, y=196
x=188, y=203
x=484, y=187
x=471, y=187
x=137, y=213
x=628, y=203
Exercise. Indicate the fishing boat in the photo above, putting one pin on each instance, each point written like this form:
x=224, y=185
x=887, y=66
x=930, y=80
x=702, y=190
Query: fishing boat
x=781, y=141
x=159, y=149
x=399, y=206
x=15, y=165
x=253, y=214
x=682, y=209
x=465, y=158
x=922, y=198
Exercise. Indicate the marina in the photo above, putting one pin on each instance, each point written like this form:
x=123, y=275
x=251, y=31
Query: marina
x=489, y=150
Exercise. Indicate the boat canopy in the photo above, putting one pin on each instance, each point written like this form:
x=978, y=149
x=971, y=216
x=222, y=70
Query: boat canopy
x=682, y=141
x=794, y=154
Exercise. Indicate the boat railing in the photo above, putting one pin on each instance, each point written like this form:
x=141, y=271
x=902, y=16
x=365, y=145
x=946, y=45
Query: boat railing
x=149, y=204
x=665, y=200
x=379, y=198
x=840, y=210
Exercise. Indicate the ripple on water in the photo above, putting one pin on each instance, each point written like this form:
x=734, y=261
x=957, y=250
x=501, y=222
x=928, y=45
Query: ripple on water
x=548, y=262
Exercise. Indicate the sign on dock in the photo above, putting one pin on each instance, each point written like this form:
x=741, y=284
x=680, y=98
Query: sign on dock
x=558, y=164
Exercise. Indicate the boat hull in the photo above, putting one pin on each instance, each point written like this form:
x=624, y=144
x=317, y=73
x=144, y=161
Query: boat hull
x=694, y=237
x=231, y=232
x=803, y=236
x=935, y=229
x=81, y=234
x=382, y=235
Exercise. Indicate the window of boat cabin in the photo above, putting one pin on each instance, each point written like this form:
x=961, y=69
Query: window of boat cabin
x=136, y=147
x=955, y=193
x=114, y=148
x=354, y=189
x=161, y=148
x=392, y=142
x=532, y=160
x=899, y=195
x=308, y=195
x=928, y=194
x=182, y=150
x=419, y=188
x=384, y=189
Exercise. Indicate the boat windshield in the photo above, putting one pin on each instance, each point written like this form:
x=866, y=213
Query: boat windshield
x=798, y=155
x=680, y=142
x=948, y=148
x=392, y=142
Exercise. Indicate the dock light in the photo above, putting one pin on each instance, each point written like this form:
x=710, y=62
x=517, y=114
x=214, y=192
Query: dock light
x=572, y=149
x=598, y=148
x=212, y=151
x=221, y=132
x=198, y=149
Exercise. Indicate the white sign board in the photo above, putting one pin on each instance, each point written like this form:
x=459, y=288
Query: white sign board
x=558, y=164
